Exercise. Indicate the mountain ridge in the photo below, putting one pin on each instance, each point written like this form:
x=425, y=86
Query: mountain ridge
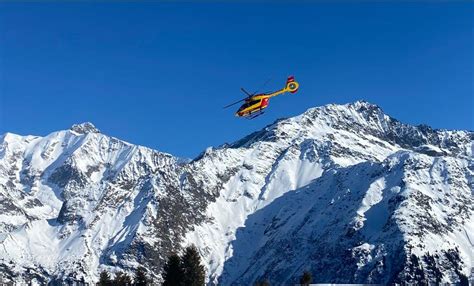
x=108, y=204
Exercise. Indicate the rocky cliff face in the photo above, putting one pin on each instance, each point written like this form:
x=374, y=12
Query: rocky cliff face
x=337, y=185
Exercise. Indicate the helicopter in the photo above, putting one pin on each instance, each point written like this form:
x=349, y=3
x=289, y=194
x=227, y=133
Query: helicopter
x=255, y=103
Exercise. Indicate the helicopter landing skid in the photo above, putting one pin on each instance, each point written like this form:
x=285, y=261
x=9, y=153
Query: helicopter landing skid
x=255, y=116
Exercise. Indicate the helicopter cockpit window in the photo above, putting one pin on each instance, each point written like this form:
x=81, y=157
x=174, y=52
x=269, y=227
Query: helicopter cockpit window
x=254, y=102
x=248, y=104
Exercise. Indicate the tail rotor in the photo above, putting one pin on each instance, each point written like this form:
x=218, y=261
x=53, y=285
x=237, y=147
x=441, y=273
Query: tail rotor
x=291, y=85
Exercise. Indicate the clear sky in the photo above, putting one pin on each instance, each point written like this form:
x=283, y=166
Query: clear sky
x=158, y=73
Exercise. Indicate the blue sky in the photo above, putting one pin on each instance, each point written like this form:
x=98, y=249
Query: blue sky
x=158, y=74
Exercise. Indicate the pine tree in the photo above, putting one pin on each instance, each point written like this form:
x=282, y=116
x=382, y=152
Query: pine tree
x=306, y=278
x=262, y=283
x=416, y=270
x=140, y=277
x=122, y=279
x=194, y=274
x=104, y=279
x=173, y=272
x=463, y=280
x=432, y=267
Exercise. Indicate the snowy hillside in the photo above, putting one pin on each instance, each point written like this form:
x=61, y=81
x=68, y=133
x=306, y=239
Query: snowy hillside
x=337, y=185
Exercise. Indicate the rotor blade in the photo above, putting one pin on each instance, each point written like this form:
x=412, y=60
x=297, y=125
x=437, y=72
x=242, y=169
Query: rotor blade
x=234, y=103
x=246, y=92
x=263, y=86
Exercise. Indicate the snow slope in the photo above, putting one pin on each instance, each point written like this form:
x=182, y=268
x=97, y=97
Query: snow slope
x=337, y=185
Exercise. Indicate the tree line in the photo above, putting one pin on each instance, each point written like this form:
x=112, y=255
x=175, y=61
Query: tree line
x=184, y=270
x=123, y=279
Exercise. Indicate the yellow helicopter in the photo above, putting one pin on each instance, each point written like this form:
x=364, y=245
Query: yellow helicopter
x=255, y=103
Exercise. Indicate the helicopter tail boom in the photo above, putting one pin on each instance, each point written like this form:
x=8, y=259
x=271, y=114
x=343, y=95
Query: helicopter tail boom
x=291, y=87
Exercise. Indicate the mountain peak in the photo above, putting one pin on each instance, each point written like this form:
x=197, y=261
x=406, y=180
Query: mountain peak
x=363, y=104
x=85, y=128
x=361, y=107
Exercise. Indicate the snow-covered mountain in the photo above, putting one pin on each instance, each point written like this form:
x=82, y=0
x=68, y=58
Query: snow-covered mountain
x=343, y=191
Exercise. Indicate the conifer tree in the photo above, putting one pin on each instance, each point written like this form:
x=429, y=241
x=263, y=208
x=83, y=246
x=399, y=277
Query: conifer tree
x=306, y=278
x=194, y=274
x=140, y=277
x=104, y=279
x=263, y=283
x=122, y=279
x=173, y=272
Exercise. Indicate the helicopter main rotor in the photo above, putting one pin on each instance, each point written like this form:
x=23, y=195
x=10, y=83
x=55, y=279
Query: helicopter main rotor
x=245, y=99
